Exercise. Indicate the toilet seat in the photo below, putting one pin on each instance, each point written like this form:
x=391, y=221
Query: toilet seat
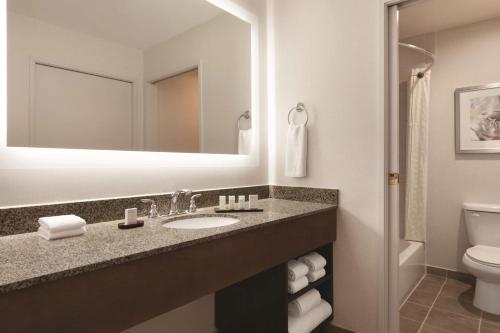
x=485, y=255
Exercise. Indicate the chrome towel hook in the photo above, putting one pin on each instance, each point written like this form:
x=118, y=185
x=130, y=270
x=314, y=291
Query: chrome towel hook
x=299, y=108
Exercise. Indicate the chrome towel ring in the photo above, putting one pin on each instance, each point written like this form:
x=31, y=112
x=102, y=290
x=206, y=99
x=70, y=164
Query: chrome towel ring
x=245, y=115
x=299, y=108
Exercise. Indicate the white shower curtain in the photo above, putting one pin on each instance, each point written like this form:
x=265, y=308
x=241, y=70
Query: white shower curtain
x=417, y=154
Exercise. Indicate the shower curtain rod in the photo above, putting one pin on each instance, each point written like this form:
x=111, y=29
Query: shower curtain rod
x=424, y=51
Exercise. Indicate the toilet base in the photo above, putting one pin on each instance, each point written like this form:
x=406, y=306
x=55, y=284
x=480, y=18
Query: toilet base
x=487, y=297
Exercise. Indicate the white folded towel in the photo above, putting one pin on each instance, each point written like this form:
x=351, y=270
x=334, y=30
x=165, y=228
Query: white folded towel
x=316, y=275
x=61, y=223
x=49, y=235
x=245, y=141
x=296, y=151
x=300, y=283
x=310, y=320
x=314, y=261
x=296, y=269
x=304, y=303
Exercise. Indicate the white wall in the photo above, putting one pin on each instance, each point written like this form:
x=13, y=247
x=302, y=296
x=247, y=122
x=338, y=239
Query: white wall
x=30, y=39
x=327, y=57
x=466, y=56
x=222, y=46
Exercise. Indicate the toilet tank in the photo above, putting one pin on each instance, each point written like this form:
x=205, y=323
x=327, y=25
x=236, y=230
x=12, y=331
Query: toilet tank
x=482, y=223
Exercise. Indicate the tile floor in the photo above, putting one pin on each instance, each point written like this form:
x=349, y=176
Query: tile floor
x=444, y=305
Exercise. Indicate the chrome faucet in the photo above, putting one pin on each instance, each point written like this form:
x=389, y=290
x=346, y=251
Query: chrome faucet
x=175, y=197
x=153, y=210
x=192, y=205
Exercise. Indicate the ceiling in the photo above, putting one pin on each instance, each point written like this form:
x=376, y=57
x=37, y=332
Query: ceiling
x=426, y=16
x=135, y=23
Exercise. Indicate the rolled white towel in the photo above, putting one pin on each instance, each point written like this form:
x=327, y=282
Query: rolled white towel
x=310, y=320
x=49, y=235
x=294, y=286
x=316, y=275
x=314, y=261
x=296, y=270
x=61, y=222
x=304, y=303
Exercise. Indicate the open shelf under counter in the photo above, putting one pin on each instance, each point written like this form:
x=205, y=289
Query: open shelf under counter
x=260, y=303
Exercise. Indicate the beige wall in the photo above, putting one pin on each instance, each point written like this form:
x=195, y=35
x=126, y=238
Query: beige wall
x=327, y=57
x=466, y=56
x=222, y=47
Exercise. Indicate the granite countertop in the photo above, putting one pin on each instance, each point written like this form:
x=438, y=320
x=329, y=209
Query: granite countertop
x=27, y=259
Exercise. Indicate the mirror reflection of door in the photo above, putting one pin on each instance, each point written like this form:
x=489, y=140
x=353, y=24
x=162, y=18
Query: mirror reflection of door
x=178, y=113
x=155, y=54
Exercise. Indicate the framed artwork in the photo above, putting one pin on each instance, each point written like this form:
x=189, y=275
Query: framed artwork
x=477, y=119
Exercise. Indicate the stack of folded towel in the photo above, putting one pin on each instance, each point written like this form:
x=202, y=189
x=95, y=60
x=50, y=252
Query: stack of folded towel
x=54, y=227
x=297, y=276
x=316, y=264
x=307, y=311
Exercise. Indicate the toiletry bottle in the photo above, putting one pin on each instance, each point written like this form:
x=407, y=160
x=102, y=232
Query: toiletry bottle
x=232, y=200
x=241, y=202
x=130, y=216
x=222, y=202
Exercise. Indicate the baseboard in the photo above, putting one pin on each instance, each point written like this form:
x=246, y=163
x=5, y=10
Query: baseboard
x=335, y=329
x=450, y=274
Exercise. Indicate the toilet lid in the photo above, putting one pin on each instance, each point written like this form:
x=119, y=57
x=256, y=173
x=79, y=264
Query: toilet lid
x=488, y=255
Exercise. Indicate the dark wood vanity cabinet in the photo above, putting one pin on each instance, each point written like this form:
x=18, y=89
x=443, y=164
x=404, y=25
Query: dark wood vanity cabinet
x=246, y=270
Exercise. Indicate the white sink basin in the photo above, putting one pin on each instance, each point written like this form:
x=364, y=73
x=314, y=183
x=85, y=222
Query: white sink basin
x=200, y=221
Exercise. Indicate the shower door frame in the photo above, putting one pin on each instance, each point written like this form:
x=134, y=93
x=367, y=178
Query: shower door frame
x=389, y=38
x=392, y=164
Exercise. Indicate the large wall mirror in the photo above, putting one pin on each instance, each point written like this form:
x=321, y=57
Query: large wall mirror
x=156, y=75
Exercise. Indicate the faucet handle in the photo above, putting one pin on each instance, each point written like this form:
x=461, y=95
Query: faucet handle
x=192, y=205
x=153, y=211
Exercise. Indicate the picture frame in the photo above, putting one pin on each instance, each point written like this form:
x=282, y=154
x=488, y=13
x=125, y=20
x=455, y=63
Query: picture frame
x=477, y=119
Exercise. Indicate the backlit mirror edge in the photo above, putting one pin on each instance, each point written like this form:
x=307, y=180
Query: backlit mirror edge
x=28, y=157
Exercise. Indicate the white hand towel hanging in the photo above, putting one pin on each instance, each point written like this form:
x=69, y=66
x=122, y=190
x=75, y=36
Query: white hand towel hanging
x=296, y=151
x=245, y=141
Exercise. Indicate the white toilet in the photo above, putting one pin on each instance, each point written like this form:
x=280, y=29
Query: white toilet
x=483, y=258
